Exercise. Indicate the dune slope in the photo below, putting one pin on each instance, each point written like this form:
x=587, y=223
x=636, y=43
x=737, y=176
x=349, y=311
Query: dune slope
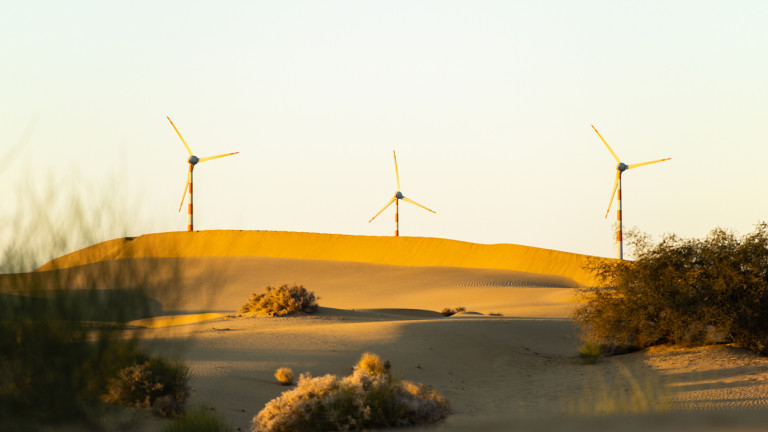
x=402, y=251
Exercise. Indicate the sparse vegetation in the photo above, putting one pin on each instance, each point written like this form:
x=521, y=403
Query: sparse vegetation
x=589, y=352
x=200, y=419
x=448, y=311
x=682, y=291
x=281, y=301
x=284, y=376
x=369, y=398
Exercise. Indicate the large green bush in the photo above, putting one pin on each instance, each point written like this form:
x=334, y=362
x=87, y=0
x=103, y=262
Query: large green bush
x=281, y=301
x=369, y=398
x=682, y=291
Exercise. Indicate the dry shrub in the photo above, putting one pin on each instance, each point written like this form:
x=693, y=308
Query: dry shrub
x=285, y=376
x=363, y=400
x=281, y=301
x=448, y=311
x=153, y=382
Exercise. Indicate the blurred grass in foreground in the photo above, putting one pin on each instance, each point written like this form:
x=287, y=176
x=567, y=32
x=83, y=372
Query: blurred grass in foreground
x=63, y=343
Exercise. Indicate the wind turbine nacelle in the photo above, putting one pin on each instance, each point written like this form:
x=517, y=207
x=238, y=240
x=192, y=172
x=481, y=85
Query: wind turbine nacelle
x=193, y=160
x=622, y=167
x=399, y=195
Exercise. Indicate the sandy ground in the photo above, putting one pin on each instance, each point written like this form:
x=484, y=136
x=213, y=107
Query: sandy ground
x=518, y=371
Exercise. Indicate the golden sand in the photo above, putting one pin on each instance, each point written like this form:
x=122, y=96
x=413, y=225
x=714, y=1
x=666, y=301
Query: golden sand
x=518, y=371
x=401, y=251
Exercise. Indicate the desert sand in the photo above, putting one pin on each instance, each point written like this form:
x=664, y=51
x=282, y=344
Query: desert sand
x=509, y=363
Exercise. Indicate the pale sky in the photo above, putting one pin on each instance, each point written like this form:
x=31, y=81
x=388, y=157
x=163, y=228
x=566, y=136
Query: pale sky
x=487, y=103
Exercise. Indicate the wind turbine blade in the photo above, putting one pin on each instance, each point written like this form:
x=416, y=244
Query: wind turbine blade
x=397, y=174
x=414, y=202
x=646, y=163
x=186, y=188
x=216, y=157
x=606, y=144
x=385, y=207
x=179, y=134
x=615, y=186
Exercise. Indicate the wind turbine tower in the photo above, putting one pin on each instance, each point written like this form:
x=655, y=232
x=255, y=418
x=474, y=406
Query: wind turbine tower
x=396, y=199
x=192, y=160
x=620, y=168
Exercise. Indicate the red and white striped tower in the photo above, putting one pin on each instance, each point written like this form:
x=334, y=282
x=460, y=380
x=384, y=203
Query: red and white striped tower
x=192, y=161
x=397, y=218
x=619, y=239
x=620, y=168
x=396, y=199
x=191, y=226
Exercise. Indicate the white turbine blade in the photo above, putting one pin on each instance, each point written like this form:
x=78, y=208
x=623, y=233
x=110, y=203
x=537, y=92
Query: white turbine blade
x=186, y=188
x=414, y=202
x=179, y=134
x=216, y=157
x=397, y=174
x=606, y=144
x=615, y=186
x=647, y=163
x=385, y=207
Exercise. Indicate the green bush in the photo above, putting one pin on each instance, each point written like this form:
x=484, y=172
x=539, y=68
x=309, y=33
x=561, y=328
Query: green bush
x=198, y=420
x=369, y=398
x=682, y=291
x=281, y=301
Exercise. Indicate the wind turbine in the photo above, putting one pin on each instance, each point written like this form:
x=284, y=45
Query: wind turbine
x=396, y=199
x=192, y=160
x=620, y=168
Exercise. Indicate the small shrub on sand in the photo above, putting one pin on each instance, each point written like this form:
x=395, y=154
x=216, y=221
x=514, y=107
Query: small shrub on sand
x=281, y=301
x=363, y=400
x=589, y=352
x=198, y=420
x=154, y=381
x=448, y=311
x=284, y=376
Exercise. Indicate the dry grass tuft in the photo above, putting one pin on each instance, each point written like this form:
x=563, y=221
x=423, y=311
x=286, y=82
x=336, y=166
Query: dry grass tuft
x=373, y=364
x=284, y=376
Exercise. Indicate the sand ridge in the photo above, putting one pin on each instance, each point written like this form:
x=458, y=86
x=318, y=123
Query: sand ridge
x=403, y=251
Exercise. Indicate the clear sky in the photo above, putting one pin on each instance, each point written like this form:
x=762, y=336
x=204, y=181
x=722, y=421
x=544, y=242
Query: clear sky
x=487, y=103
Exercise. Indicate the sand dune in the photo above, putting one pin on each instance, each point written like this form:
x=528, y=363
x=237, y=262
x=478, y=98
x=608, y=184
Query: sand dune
x=224, y=284
x=519, y=371
x=401, y=251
